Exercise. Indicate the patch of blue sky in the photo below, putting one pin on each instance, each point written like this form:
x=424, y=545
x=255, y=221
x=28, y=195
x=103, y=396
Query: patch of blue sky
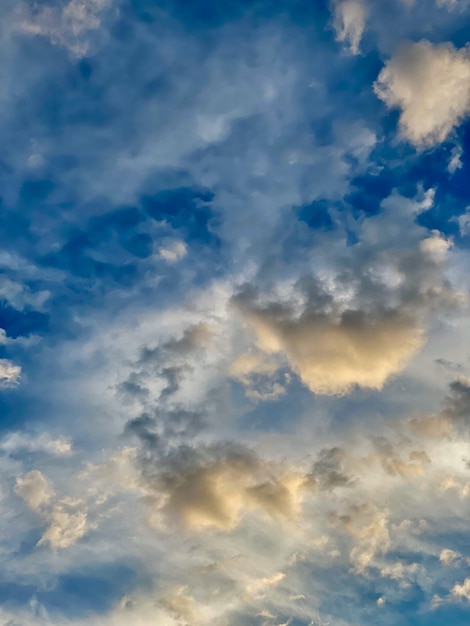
x=79, y=595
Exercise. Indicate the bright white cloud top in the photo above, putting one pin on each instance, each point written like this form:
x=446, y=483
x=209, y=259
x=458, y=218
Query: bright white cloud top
x=430, y=84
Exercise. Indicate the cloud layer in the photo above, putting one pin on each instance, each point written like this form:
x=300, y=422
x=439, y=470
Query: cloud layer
x=234, y=369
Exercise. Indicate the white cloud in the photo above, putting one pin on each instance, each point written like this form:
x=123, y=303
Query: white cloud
x=66, y=26
x=455, y=162
x=10, y=374
x=18, y=441
x=256, y=371
x=66, y=525
x=174, y=251
x=65, y=518
x=19, y=295
x=464, y=222
x=35, y=490
x=449, y=558
x=430, y=84
x=349, y=22
x=462, y=591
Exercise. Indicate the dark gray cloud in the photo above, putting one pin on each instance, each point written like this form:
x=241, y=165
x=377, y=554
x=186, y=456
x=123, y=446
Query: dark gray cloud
x=328, y=471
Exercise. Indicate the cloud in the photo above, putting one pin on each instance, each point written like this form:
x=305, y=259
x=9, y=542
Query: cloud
x=328, y=471
x=18, y=442
x=455, y=162
x=449, y=558
x=452, y=418
x=35, y=490
x=10, y=374
x=256, y=372
x=215, y=487
x=258, y=587
x=369, y=526
x=66, y=523
x=20, y=296
x=191, y=165
x=430, y=84
x=173, y=252
x=66, y=526
x=462, y=591
x=415, y=464
x=67, y=25
x=431, y=426
x=333, y=355
x=349, y=22
x=360, y=321
x=464, y=223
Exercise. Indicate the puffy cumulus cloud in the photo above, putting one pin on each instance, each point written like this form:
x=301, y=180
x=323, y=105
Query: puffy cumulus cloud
x=65, y=25
x=214, y=487
x=459, y=592
x=449, y=558
x=360, y=321
x=333, y=355
x=35, y=490
x=10, y=374
x=462, y=591
x=257, y=525
x=350, y=17
x=430, y=84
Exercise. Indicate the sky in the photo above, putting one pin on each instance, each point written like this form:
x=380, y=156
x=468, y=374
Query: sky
x=234, y=313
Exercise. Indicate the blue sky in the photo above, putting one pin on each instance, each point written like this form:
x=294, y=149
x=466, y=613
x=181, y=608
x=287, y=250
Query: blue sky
x=234, y=300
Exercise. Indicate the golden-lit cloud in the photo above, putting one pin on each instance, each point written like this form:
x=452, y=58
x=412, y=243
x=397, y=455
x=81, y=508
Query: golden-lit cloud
x=216, y=491
x=429, y=83
x=332, y=356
